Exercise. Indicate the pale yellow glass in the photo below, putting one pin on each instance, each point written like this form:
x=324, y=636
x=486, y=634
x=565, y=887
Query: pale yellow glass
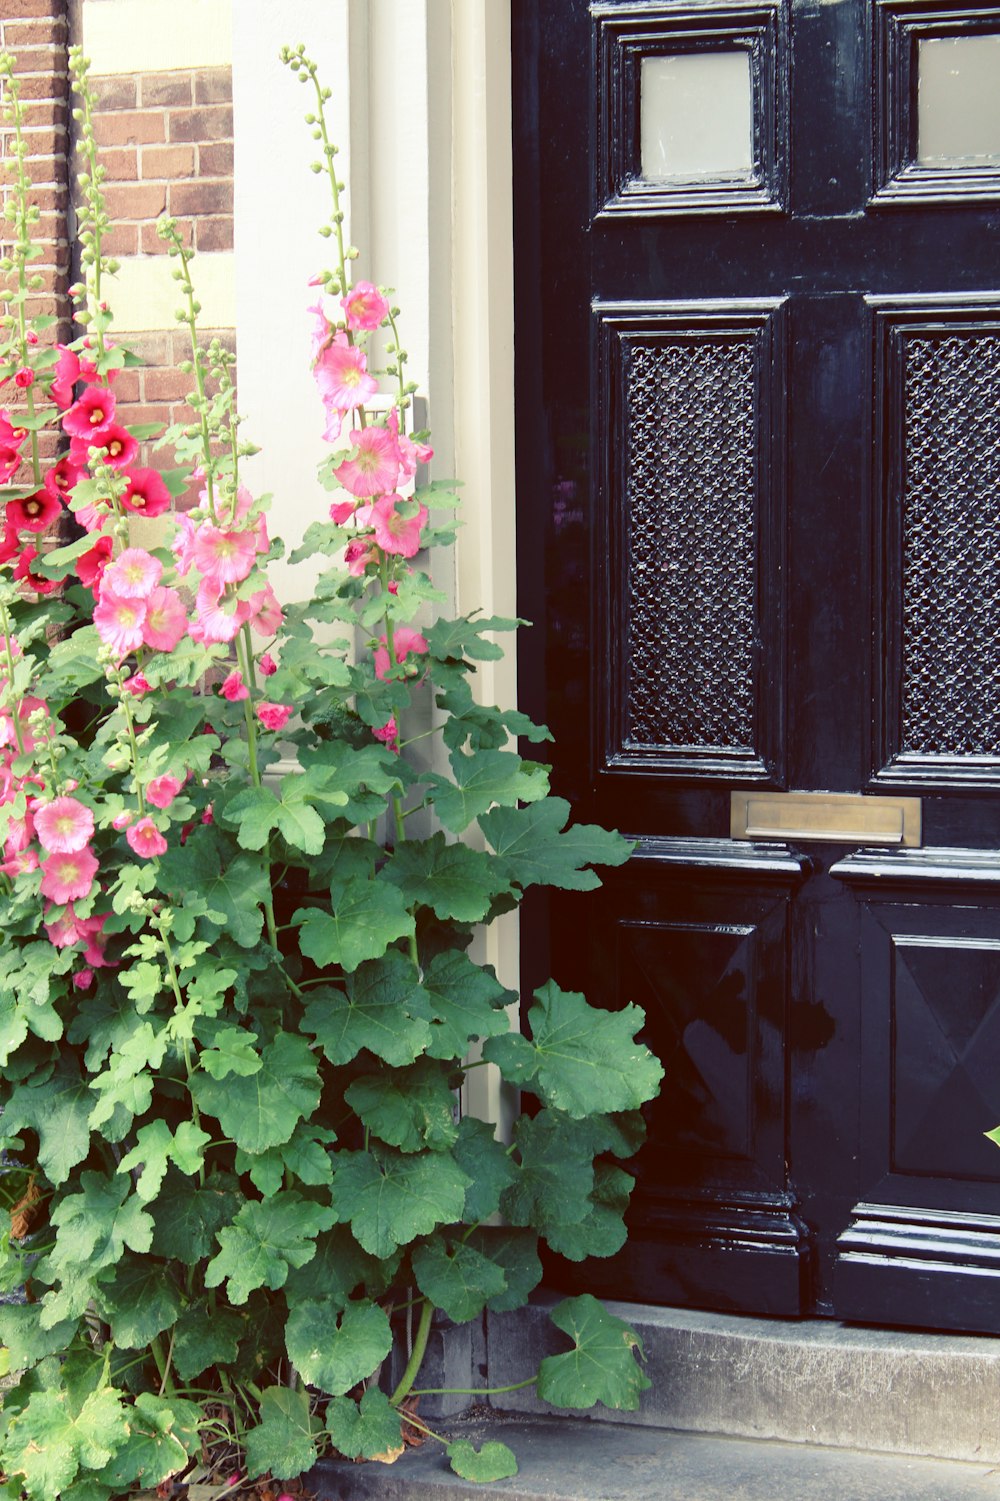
x=696, y=115
x=958, y=101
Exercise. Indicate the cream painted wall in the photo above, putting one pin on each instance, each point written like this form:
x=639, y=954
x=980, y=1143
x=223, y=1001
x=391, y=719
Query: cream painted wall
x=149, y=36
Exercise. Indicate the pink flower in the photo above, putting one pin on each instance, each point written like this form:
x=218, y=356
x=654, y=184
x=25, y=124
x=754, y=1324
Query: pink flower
x=18, y=863
x=342, y=510
x=364, y=306
x=161, y=791
x=68, y=877
x=147, y=495
x=342, y=376
x=137, y=684
x=214, y=623
x=405, y=640
x=27, y=708
x=325, y=315
x=64, y=825
x=83, y=979
x=61, y=478
x=94, y=939
x=374, y=466
x=121, y=821
x=267, y=665
x=133, y=574
x=91, y=416
x=117, y=447
x=34, y=513
x=410, y=454
x=90, y=565
x=223, y=557
x=166, y=619
x=358, y=554
x=24, y=378
x=66, y=376
x=119, y=622
x=265, y=612
x=182, y=544
x=20, y=832
x=64, y=931
x=394, y=532
x=234, y=688
x=145, y=839
x=209, y=815
x=273, y=716
x=387, y=732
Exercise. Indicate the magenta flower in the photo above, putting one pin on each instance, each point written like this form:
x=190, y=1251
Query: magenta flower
x=358, y=554
x=405, y=640
x=234, y=688
x=395, y=532
x=61, y=478
x=182, y=544
x=147, y=495
x=267, y=665
x=82, y=978
x=273, y=716
x=364, y=306
x=67, y=373
x=117, y=447
x=64, y=826
x=388, y=733
x=90, y=565
x=24, y=378
x=121, y=821
x=166, y=619
x=34, y=513
x=223, y=557
x=133, y=575
x=137, y=684
x=145, y=839
x=342, y=376
x=119, y=622
x=214, y=622
x=68, y=877
x=161, y=791
x=91, y=417
x=375, y=465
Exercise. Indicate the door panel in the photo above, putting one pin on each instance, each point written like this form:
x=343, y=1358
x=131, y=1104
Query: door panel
x=758, y=469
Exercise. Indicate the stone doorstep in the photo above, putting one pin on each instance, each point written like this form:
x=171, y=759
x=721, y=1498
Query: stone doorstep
x=566, y=1459
x=801, y=1382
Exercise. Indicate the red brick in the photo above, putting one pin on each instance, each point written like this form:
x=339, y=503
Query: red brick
x=51, y=199
x=127, y=385
x=47, y=29
x=151, y=244
x=114, y=91
x=153, y=347
x=167, y=162
x=215, y=159
x=215, y=234
x=165, y=88
x=167, y=385
x=48, y=140
x=121, y=164
x=129, y=128
x=51, y=84
x=136, y=200
x=121, y=239
x=30, y=8
x=137, y=414
x=201, y=197
x=210, y=123
x=41, y=59
x=213, y=86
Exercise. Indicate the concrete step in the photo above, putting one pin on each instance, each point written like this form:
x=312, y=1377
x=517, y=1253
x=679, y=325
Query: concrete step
x=565, y=1459
x=801, y=1382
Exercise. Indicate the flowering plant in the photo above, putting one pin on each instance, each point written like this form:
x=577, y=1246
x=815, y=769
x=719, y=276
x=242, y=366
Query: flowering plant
x=237, y=1002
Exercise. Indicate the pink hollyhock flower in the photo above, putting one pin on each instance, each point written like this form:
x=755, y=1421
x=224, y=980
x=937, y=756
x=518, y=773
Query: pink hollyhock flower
x=82, y=978
x=405, y=640
x=374, y=466
x=267, y=665
x=214, y=623
x=91, y=417
x=364, y=306
x=324, y=315
x=358, y=554
x=147, y=495
x=410, y=454
x=273, y=716
x=166, y=619
x=91, y=930
x=61, y=478
x=117, y=447
x=26, y=709
x=35, y=581
x=20, y=832
x=19, y=863
x=223, y=557
x=119, y=622
x=67, y=373
x=134, y=574
x=68, y=877
x=342, y=510
x=387, y=732
x=90, y=565
x=34, y=513
x=161, y=791
x=341, y=374
x=10, y=545
x=11, y=435
x=394, y=532
x=121, y=821
x=137, y=684
x=234, y=688
x=64, y=931
x=145, y=839
x=241, y=509
x=266, y=614
x=24, y=378
x=209, y=814
x=64, y=826
x=182, y=544
x=10, y=458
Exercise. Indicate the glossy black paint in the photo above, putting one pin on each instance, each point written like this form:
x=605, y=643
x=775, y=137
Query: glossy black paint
x=829, y=1018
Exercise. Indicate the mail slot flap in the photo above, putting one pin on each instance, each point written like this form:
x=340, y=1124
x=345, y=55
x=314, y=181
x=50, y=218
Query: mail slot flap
x=833, y=817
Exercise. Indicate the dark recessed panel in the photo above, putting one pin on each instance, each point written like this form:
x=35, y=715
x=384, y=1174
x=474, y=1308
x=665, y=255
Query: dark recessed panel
x=691, y=108
x=939, y=552
x=692, y=509
x=936, y=125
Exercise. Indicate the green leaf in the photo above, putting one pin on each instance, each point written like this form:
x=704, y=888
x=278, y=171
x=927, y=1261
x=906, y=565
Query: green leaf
x=48, y=1441
x=306, y=1155
x=460, y=1280
x=255, y=813
x=516, y=1251
x=452, y=879
x=338, y=1270
x=488, y=1165
x=368, y=916
x=482, y=779
x=264, y=1240
x=556, y=1173
x=466, y=1003
x=582, y=1059
x=408, y=1108
x=602, y=1231
x=140, y=1301
x=24, y=1339
x=238, y=893
x=335, y=1347
x=96, y=1224
x=59, y=1112
x=533, y=847
x=232, y=1052
x=601, y=1367
x=205, y=1337
x=369, y=1429
x=156, y=1147
x=283, y=1443
x=389, y=1199
x=261, y=1110
x=383, y=1010
x=494, y=1461
x=455, y=639
x=188, y=1218
x=155, y=1449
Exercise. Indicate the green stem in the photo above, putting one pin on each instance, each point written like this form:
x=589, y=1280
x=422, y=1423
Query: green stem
x=191, y=319
x=416, y=1355
x=123, y=699
x=9, y=653
x=471, y=1391
x=244, y=658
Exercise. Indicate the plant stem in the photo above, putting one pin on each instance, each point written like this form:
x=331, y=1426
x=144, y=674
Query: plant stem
x=471, y=1391
x=416, y=1355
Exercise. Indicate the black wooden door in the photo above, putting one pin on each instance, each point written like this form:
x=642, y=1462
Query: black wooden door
x=759, y=534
